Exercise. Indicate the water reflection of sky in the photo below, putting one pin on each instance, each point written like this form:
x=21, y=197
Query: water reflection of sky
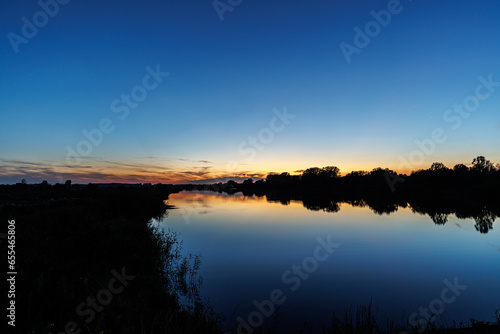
x=399, y=260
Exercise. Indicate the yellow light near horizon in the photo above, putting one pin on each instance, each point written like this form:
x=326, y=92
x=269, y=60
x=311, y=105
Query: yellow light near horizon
x=262, y=211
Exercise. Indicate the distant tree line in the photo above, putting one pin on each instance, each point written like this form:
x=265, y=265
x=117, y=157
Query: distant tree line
x=482, y=176
x=468, y=192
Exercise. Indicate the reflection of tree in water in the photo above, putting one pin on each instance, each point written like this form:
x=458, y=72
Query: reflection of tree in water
x=383, y=207
x=484, y=221
x=439, y=218
x=325, y=205
x=283, y=201
x=311, y=202
x=282, y=198
x=438, y=209
x=356, y=202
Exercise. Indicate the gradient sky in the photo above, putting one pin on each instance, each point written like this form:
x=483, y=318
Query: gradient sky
x=228, y=78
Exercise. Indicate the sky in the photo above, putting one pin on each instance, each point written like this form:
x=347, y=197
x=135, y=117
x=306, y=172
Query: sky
x=184, y=91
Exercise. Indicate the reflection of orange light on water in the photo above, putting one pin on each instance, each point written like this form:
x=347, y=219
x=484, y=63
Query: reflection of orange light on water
x=239, y=206
x=225, y=212
x=237, y=202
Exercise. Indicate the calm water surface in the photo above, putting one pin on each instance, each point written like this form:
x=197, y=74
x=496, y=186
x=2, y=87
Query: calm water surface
x=250, y=247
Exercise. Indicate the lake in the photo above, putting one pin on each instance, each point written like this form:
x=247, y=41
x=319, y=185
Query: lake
x=316, y=262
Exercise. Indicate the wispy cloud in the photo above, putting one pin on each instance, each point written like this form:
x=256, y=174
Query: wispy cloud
x=237, y=177
x=102, y=170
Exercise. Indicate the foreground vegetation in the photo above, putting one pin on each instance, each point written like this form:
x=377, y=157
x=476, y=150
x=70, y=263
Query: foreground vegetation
x=88, y=261
x=366, y=319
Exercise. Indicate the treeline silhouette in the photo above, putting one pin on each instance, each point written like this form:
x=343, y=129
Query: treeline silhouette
x=74, y=241
x=468, y=192
x=482, y=178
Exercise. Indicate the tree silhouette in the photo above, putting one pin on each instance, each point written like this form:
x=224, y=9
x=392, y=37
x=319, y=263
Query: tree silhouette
x=247, y=183
x=330, y=172
x=460, y=168
x=438, y=167
x=481, y=165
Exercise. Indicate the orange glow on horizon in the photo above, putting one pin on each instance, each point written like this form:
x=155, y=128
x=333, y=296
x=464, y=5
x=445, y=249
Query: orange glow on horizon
x=176, y=172
x=132, y=177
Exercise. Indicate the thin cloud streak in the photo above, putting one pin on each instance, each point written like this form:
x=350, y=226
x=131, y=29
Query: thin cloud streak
x=99, y=170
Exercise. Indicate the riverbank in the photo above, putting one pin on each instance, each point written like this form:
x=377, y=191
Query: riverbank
x=89, y=260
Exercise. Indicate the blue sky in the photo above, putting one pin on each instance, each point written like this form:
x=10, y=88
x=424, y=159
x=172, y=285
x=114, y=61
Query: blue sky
x=227, y=76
